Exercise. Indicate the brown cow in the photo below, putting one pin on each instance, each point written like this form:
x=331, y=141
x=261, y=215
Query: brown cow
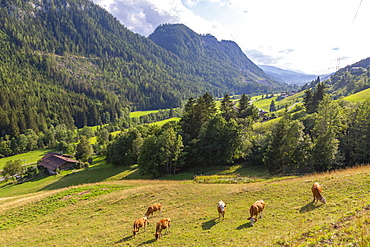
x=153, y=208
x=255, y=209
x=162, y=224
x=221, y=208
x=316, y=191
x=142, y=222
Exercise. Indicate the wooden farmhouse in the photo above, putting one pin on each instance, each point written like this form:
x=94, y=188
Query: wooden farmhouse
x=53, y=161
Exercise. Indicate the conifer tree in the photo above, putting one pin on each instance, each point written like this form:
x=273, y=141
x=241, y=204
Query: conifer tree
x=325, y=152
x=196, y=113
x=227, y=110
x=272, y=106
x=243, y=104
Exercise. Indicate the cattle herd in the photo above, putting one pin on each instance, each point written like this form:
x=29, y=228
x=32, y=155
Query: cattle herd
x=254, y=210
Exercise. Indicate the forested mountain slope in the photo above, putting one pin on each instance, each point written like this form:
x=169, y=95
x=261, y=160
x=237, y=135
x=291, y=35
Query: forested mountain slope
x=220, y=62
x=350, y=79
x=71, y=62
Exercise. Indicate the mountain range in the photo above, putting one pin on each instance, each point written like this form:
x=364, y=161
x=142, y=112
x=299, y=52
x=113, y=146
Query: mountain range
x=72, y=62
x=225, y=58
x=290, y=77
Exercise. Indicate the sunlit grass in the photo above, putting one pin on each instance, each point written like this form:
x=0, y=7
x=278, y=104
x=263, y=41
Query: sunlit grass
x=262, y=127
x=26, y=158
x=102, y=214
x=161, y=123
x=264, y=103
x=359, y=97
x=142, y=113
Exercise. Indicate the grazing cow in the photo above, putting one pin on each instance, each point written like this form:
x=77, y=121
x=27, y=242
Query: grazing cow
x=162, y=224
x=255, y=209
x=316, y=191
x=221, y=207
x=142, y=222
x=153, y=208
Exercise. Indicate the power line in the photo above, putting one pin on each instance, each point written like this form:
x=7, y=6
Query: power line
x=357, y=12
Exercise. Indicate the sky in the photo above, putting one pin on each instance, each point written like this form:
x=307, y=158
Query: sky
x=314, y=37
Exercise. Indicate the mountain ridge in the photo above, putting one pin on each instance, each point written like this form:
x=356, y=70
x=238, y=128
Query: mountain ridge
x=287, y=76
x=196, y=48
x=71, y=62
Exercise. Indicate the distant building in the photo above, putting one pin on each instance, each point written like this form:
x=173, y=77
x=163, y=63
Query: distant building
x=286, y=94
x=53, y=161
x=357, y=70
x=283, y=94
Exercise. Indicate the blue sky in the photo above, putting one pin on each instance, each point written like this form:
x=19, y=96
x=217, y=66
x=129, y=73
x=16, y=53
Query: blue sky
x=313, y=36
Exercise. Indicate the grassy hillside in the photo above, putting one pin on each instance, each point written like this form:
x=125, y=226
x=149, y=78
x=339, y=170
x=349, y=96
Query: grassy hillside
x=359, y=97
x=264, y=103
x=102, y=214
x=26, y=158
x=142, y=113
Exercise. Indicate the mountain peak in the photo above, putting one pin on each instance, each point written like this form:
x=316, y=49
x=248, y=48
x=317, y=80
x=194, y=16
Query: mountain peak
x=223, y=58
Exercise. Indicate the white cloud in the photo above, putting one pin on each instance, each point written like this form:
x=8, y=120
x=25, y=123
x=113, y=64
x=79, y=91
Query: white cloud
x=143, y=16
x=298, y=35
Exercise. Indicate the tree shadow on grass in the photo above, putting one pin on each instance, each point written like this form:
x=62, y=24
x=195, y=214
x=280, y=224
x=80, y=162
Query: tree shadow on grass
x=309, y=207
x=94, y=174
x=124, y=239
x=245, y=225
x=209, y=224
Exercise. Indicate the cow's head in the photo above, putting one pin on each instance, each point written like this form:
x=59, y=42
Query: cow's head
x=221, y=205
x=323, y=200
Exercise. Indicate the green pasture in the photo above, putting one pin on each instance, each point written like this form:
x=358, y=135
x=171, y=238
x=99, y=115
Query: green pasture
x=142, y=113
x=102, y=213
x=262, y=127
x=359, y=97
x=100, y=171
x=26, y=158
x=161, y=123
x=290, y=100
x=264, y=103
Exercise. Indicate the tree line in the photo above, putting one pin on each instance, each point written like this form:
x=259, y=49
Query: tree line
x=65, y=138
x=182, y=145
x=315, y=137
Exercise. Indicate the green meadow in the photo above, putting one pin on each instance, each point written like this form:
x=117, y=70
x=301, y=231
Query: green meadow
x=26, y=158
x=264, y=103
x=359, y=97
x=142, y=113
x=161, y=123
x=101, y=213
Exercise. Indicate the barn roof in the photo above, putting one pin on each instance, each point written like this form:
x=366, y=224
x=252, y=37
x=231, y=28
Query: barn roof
x=54, y=160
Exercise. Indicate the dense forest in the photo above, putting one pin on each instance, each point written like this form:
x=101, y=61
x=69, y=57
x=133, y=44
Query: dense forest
x=71, y=62
x=321, y=135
